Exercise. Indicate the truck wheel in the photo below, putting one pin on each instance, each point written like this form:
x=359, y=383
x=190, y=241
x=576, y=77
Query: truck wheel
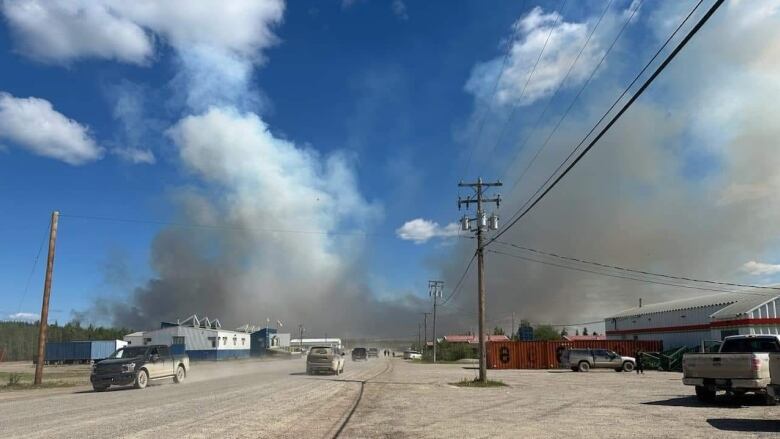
x=180, y=375
x=99, y=388
x=584, y=366
x=141, y=379
x=770, y=399
x=628, y=366
x=705, y=394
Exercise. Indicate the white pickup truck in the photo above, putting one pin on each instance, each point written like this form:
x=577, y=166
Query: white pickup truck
x=740, y=366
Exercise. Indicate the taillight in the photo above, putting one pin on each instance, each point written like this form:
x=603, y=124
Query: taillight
x=755, y=363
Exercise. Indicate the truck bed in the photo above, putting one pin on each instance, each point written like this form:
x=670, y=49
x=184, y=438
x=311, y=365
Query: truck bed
x=726, y=366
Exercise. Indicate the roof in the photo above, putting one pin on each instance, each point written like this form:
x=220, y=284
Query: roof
x=584, y=337
x=724, y=299
x=135, y=334
x=473, y=338
x=744, y=306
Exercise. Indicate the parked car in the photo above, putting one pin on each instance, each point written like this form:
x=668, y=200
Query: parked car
x=740, y=366
x=359, y=354
x=373, y=352
x=412, y=355
x=137, y=365
x=324, y=359
x=583, y=360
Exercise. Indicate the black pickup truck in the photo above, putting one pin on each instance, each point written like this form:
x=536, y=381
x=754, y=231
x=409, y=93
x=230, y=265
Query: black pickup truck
x=137, y=365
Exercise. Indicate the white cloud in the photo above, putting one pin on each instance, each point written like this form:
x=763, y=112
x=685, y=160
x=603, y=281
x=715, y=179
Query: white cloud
x=23, y=316
x=530, y=35
x=33, y=124
x=399, y=9
x=760, y=268
x=421, y=230
x=135, y=155
x=60, y=31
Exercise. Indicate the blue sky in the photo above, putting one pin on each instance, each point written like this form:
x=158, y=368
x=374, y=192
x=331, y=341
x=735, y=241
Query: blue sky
x=369, y=108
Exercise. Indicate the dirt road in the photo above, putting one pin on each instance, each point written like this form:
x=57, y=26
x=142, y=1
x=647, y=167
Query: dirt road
x=399, y=400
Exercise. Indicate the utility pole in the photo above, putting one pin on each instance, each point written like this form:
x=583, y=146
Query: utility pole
x=43, y=325
x=425, y=337
x=435, y=289
x=512, y=334
x=483, y=224
x=419, y=342
x=300, y=344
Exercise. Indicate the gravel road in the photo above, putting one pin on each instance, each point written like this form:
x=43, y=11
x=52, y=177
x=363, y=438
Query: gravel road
x=399, y=400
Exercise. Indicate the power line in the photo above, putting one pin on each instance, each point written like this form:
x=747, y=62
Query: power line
x=32, y=270
x=574, y=100
x=492, y=95
x=217, y=226
x=456, y=290
x=505, y=126
x=584, y=270
x=617, y=267
x=519, y=215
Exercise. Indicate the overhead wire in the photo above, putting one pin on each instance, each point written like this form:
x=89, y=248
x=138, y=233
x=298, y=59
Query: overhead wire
x=574, y=100
x=523, y=211
x=32, y=270
x=644, y=280
x=481, y=124
x=505, y=126
x=643, y=272
x=457, y=287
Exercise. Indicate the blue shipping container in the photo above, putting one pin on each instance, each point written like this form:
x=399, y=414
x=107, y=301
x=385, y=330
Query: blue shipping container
x=79, y=350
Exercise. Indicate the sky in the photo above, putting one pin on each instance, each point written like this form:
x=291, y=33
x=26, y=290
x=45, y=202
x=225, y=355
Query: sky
x=299, y=161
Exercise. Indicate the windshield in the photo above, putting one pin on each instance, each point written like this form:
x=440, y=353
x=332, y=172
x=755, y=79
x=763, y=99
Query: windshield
x=132, y=352
x=750, y=345
x=320, y=351
x=359, y=351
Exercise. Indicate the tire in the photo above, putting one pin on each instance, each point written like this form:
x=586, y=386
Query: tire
x=180, y=375
x=574, y=369
x=770, y=399
x=141, y=379
x=619, y=369
x=628, y=366
x=99, y=388
x=584, y=366
x=705, y=394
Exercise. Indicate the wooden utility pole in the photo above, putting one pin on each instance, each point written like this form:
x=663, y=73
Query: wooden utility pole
x=483, y=224
x=425, y=332
x=43, y=325
x=435, y=289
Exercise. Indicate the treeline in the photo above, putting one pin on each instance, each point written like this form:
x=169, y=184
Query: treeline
x=19, y=340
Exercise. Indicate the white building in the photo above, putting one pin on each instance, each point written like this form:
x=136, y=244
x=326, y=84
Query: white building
x=202, y=339
x=689, y=322
x=309, y=342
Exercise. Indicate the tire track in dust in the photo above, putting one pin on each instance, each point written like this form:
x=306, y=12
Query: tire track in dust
x=351, y=412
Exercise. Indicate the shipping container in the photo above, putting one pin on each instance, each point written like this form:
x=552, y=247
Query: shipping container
x=81, y=351
x=545, y=354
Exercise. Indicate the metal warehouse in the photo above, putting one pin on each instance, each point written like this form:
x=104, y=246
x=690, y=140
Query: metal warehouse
x=691, y=322
x=202, y=339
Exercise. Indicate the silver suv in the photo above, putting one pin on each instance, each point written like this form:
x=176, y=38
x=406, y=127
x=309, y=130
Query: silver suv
x=585, y=359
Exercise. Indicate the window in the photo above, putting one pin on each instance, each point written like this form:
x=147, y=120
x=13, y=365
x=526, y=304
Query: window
x=178, y=340
x=147, y=341
x=243, y=341
x=224, y=341
x=163, y=352
x=213, y=341
x=235, y=340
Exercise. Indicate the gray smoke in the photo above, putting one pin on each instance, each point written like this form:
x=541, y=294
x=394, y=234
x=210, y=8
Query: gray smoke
x=686, y=183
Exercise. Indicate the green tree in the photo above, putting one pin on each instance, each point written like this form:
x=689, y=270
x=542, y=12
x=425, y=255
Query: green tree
x=584, y=331
x=498, y=331
x=564, y=332
x=546, y=332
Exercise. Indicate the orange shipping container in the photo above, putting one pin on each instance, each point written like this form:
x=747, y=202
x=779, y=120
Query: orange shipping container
x=544, y=354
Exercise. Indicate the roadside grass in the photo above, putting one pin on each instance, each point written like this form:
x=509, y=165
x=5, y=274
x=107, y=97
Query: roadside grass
x=10, y=381
x=465, y=382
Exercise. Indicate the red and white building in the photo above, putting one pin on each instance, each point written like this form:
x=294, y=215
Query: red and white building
x=689, y=322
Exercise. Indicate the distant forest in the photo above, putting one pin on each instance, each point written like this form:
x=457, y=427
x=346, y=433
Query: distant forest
x=19, y=340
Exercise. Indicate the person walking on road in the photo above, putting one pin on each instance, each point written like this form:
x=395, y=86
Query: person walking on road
x=639, y=367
